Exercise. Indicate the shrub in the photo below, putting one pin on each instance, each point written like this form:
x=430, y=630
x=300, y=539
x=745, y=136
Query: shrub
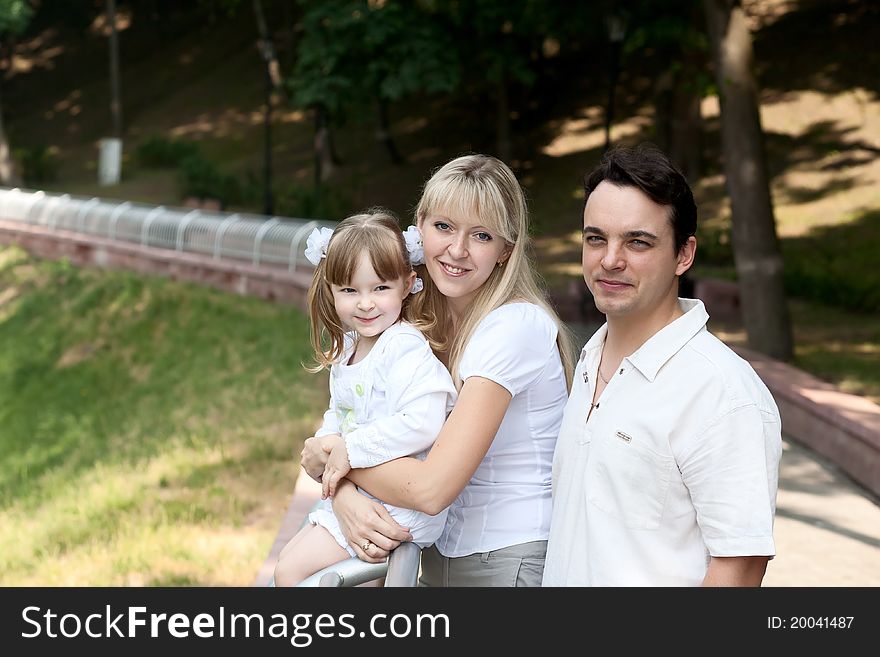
x=311, y=203
x=200, y=178
x=160, y=152
x=38, y=164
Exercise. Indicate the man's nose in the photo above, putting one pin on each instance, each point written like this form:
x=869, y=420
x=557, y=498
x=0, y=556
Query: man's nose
x=613, y=257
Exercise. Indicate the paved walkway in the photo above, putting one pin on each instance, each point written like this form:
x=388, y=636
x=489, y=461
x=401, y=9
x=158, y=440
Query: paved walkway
x=827, y=528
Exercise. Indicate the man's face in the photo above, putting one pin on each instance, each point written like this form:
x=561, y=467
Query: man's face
x=629, y=260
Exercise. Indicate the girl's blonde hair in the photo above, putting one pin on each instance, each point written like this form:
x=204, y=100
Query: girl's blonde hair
x=484, y=187
x=377, y=233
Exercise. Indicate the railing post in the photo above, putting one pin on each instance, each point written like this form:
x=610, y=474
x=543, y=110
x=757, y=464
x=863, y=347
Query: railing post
x=114, y=217
x=59, y=201
x=188, y=218
x=151, y=216
x=259, y=238
x=218, y=238
x=83, y=212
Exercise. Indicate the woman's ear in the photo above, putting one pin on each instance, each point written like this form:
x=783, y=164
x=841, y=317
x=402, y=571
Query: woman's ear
x=505, y=254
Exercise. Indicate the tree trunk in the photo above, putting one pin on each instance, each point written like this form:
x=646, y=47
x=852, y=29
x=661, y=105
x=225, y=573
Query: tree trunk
x=267, y=49
x=8, y=173
x=502, y=126
x=115, y=104
x=755, y=244
x=685, y=129
x=384, y=133
x=322, y=146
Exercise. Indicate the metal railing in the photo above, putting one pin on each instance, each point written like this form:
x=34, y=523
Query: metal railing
x=400, y=569
x=240, y=237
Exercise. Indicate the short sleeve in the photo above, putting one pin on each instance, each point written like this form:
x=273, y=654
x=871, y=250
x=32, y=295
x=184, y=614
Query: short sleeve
x=511, y=346
x=732, y=474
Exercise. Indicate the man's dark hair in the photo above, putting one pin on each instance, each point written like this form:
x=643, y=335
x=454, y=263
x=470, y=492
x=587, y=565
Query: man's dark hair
x=648, y=168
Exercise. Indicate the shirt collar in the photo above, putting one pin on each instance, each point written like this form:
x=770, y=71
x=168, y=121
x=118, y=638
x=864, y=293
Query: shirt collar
x=665, y=343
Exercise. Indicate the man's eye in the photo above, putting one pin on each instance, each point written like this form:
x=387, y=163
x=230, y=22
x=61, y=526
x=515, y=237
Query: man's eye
x=641, y=243
x=593, y=240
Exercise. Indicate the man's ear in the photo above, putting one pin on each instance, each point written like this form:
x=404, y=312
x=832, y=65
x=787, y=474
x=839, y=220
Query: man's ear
x=686, y=255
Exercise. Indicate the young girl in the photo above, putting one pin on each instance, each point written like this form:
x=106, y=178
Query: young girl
x=509, y=356
x=389, y=395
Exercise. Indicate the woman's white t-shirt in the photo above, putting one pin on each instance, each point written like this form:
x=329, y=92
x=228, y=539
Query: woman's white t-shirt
x=507, y=500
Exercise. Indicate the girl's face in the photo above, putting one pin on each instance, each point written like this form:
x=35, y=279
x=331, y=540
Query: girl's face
x=460, y=254
x=367, y=304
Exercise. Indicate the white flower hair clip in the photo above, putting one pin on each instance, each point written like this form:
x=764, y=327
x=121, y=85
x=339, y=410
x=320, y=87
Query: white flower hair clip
x=317, y=243
x=417, y=286
x=413, y=239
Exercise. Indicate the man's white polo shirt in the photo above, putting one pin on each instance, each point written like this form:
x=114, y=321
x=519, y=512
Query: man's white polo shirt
x=678, y=461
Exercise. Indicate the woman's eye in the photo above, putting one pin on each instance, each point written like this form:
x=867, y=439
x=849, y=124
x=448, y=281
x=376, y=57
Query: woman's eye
x=440, y=225
x=484, y=237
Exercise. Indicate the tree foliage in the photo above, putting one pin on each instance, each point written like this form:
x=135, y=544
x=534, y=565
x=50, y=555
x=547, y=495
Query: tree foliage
x=15, y=16
x=353, y=51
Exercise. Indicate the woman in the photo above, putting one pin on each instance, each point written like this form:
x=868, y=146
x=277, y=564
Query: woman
x=509, y=357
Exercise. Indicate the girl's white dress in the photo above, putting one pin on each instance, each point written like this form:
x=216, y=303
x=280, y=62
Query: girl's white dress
x=392, y=403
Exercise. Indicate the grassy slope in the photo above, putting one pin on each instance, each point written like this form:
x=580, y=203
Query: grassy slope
x=145, y=424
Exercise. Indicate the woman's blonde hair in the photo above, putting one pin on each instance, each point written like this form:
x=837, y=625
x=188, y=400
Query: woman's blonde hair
x=377, y=233
x=484, y=187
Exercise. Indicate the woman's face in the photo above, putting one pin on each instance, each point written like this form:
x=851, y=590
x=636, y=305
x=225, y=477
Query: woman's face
x=460, y=254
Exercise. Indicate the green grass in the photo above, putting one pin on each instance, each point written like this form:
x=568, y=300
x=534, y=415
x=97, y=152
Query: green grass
x=148, y=429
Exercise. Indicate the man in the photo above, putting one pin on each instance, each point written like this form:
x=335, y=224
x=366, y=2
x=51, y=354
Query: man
x=666, y=467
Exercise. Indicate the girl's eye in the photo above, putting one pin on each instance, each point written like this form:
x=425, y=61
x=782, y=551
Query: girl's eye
x=382, y=288
x=346, y=290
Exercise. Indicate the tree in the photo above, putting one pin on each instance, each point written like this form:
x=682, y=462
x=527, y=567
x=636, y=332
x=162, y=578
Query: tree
x=14, y=18
x=500, y=41
x=675, y=33
x=755, y=244
x=354, y=53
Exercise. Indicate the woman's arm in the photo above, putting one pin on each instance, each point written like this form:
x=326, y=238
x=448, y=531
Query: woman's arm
x=362, y=519
x=431, y=485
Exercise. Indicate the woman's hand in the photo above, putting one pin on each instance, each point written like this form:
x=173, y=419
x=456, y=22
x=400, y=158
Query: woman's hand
x=315, y=453
x=366, y=523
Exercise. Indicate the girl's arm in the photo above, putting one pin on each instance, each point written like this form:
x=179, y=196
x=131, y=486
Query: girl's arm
x=418, y=393
x=431, y=485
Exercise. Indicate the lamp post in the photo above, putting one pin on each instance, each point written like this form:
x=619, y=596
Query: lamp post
x=615, y=24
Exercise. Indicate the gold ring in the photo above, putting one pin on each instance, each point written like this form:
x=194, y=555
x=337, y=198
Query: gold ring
x=366, y=546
